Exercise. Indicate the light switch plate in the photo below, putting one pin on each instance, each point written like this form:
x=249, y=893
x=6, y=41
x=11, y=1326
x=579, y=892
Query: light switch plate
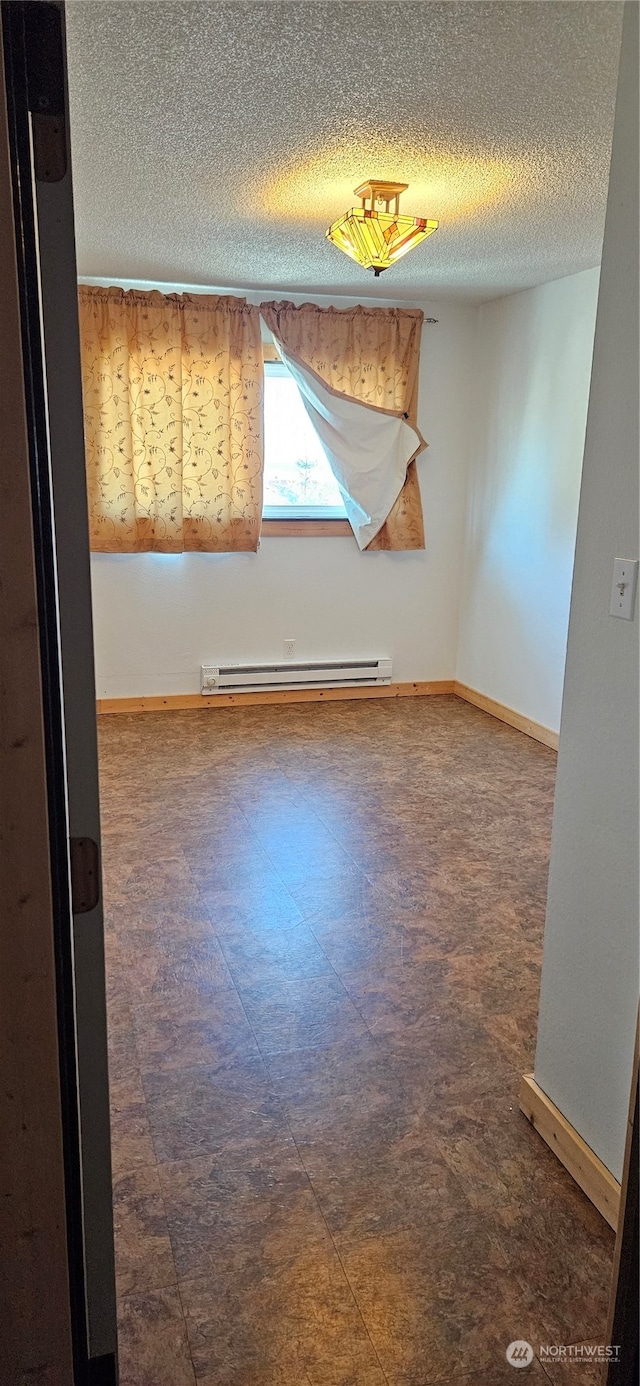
x=623, y=588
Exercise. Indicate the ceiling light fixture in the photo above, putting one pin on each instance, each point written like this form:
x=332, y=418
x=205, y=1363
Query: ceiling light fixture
x=375, y=238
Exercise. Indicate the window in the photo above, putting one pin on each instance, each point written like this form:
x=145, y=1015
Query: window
x=298, y=481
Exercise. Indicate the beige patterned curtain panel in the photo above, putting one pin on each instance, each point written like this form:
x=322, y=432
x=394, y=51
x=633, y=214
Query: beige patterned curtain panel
x=369, y=356
x=173, y=391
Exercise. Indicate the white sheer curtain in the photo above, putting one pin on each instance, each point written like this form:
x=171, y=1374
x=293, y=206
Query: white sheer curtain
x=369, y=451
x=357, y=371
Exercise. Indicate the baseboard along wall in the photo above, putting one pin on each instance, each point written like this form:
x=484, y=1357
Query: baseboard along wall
x=176, y=702
x=535, y=730
x=595, y=1180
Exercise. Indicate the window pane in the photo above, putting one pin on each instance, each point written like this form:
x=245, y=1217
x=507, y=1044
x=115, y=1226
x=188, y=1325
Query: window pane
x=296, y=471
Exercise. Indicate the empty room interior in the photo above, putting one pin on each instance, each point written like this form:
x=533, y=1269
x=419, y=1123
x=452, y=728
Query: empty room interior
x=370, y=1021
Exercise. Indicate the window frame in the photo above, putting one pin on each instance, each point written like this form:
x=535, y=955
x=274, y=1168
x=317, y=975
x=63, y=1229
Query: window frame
x=298, y=527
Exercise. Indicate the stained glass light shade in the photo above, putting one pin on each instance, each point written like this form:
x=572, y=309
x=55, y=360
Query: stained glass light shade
x=377, y=238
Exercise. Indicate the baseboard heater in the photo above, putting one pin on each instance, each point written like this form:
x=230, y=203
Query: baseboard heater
x=251, y=678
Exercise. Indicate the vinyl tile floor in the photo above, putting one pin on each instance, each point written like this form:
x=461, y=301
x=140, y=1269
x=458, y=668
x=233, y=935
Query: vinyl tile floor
x=324, y=932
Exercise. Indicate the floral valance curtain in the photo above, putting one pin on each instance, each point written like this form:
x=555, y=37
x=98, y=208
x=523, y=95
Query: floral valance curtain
x=369, y=356
x=173, y=421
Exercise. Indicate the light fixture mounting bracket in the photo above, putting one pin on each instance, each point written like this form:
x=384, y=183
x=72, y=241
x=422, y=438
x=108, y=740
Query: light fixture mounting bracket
x=378, y=190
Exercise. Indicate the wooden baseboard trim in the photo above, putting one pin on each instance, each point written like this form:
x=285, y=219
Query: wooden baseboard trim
x=175, y=702
x=595, y=1180
x=507, y=714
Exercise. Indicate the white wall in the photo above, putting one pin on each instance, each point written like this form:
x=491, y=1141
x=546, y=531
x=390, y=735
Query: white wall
x=589, y=993
x=503, y=402
x=533, y=363
x=157, y=618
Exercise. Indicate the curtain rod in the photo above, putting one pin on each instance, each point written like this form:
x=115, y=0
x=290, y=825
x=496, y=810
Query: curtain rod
x=101, y=281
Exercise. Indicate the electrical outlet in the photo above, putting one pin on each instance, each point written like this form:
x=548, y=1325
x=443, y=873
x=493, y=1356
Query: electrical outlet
x=289, y=649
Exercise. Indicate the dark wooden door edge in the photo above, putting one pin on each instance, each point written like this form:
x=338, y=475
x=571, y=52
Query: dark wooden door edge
x=32, y=52
x=102, y=1371
x=623, y=1312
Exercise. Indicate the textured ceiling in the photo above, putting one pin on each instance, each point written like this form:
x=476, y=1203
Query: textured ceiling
x=213, y=143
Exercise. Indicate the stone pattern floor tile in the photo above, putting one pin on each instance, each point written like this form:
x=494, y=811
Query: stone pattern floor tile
x=229, y=1111
x=227, y=1218
x=502, y=1374
x=294, y=1322
x=144, y=1258
x=152, y=1340
x=438, y=1296
x=323, y=934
